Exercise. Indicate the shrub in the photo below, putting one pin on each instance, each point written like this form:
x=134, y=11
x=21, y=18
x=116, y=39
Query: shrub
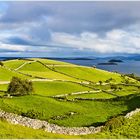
x=18, y=87
x=109, y=80
x=113, y=87
x=32, y=114
x=100, y=82
x=114, y=123
x=1, y=63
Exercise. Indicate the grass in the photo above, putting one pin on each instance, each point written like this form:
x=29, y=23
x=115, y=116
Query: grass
x=87, y=113
x=91, y=74
x=99, y=95
x=6, y=75
x=3, y=87
x=57, y=87
x=33, y=66
x=125, y=92
x=51, y=62
x=129, y=130
x=37, y=69
x=14, y=63
x=49, y=75
x=9, y=131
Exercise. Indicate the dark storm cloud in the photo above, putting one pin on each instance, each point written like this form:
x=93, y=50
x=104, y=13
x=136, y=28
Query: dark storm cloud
x=74, y=16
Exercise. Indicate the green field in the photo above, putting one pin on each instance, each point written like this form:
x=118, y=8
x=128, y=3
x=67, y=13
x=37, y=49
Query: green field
x=93, y=95
x=14, y=63
x=6, y=75
x=90, y=74
x=51, y=62
x=62, y=93
x=10, y=131
x=129, y=130
x=36, y=69
x=57, y=88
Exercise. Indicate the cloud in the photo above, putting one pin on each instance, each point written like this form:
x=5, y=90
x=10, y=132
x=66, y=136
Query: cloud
x=12, y=48
x=73, y=17
x=115, y=41
x=70, y=28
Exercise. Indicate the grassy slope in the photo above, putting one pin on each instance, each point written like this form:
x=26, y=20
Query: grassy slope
x=94, y=95
x=90, y=74
x=53, y=88
x=88, y=112
x=36, y=69
x=56, y=87
x=3, y=87
x=6, y=75
x=14, y=63
x=130, y=129
x=10, y=131
x=52, y=62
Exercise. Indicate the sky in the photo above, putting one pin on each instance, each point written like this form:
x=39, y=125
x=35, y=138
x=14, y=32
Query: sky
x=69, y=29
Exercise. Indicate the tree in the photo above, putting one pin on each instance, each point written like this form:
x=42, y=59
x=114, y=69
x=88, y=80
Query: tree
x=1, y=63
x=19, y=87
x=100, y=82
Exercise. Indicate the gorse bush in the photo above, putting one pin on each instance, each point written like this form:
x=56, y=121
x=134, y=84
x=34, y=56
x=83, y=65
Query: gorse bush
x=18, y=87
x=114, y=123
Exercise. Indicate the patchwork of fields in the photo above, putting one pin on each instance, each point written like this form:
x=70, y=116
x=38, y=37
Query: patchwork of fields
x=67, y=94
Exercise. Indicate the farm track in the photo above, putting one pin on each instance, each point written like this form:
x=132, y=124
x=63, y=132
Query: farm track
x=22, y=65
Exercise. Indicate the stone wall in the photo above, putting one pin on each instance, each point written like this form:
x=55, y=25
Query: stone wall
x=53, y=128
x=130, y=114
x=38, y=124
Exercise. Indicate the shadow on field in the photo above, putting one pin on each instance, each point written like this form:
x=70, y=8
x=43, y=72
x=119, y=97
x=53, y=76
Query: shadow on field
x=133, y=103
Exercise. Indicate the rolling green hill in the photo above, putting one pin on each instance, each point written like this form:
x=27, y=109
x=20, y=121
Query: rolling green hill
x=93, y=95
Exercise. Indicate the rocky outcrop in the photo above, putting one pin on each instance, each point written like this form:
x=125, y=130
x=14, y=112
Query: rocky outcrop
x=38, y=124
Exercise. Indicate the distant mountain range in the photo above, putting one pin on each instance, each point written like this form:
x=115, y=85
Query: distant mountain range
x=127, y=57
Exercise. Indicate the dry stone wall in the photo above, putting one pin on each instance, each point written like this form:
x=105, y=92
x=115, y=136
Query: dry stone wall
x=53, y=128
x=38, y=124
x=130, y=114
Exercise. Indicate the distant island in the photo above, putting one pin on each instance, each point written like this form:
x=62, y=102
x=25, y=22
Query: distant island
x=115, y=60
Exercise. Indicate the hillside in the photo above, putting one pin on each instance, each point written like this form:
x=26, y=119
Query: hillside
x=67, y=95
x=129, y=129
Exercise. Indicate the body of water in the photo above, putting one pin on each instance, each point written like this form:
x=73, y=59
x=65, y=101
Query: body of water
x=127, y=66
